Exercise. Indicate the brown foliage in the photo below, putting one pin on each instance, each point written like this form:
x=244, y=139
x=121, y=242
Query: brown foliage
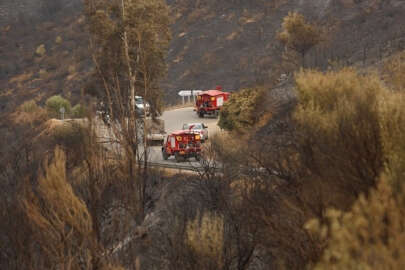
x=62, y=222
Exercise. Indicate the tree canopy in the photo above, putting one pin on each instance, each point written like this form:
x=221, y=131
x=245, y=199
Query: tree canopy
x=129, y=42
x=298, y=34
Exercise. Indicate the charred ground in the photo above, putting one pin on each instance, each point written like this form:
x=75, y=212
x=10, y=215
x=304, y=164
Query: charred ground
x=228, y=43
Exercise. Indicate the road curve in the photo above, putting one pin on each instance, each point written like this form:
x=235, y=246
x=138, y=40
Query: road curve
x=174, y=120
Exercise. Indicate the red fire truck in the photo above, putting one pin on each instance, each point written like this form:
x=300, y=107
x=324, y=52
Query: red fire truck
x=209, y=102
x=182, y=144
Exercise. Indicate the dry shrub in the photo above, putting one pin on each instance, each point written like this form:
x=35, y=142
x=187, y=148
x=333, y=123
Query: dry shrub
x=392, y=118
x=298, y=34
x=370, y=236
x=40, y=51
x=205, y=236
x=62, y=221
x=394, y=71
x=72, y=136
x=339, y=123
x=226, y=148
x=58, y=40
x=29, y=113
x=352, y=132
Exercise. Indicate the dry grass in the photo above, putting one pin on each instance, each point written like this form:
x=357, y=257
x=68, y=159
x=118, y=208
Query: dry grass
x=394, y=71
x=61, y=219
x=205, y=235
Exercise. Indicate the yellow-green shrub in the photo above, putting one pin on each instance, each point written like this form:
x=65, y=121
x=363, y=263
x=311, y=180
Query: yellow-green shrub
x=205, y=236
x=370, y=236
x=55, y=103
x=40, y=51
x=298, y=34
x=392, y=119
x=78, y=111
x=242, y=109
x=352, y=133
x=339, y=123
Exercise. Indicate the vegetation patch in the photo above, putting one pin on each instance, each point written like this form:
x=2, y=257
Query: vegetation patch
x=242, y=111
x=54, y=105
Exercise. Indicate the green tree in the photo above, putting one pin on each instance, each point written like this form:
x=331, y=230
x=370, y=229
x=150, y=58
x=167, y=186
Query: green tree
x=298, y=34
x=129, y=39
x=55, y=103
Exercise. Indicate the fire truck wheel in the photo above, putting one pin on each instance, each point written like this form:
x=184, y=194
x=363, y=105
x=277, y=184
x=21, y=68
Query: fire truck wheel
x=201, y=114
x=178, y=157
x=165, y=155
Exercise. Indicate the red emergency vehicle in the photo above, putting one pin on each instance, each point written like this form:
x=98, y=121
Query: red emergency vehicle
x=209, y=102
x=182, y=144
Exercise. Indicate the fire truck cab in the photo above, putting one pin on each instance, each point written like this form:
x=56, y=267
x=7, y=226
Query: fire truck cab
x=182, y=144
x=209, y=102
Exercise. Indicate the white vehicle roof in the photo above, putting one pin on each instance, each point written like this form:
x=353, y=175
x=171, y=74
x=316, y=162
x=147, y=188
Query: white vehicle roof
x=200, y=125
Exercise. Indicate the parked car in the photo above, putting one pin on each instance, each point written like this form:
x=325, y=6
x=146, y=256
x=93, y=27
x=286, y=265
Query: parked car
x=141, y=106
x=201, y=128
